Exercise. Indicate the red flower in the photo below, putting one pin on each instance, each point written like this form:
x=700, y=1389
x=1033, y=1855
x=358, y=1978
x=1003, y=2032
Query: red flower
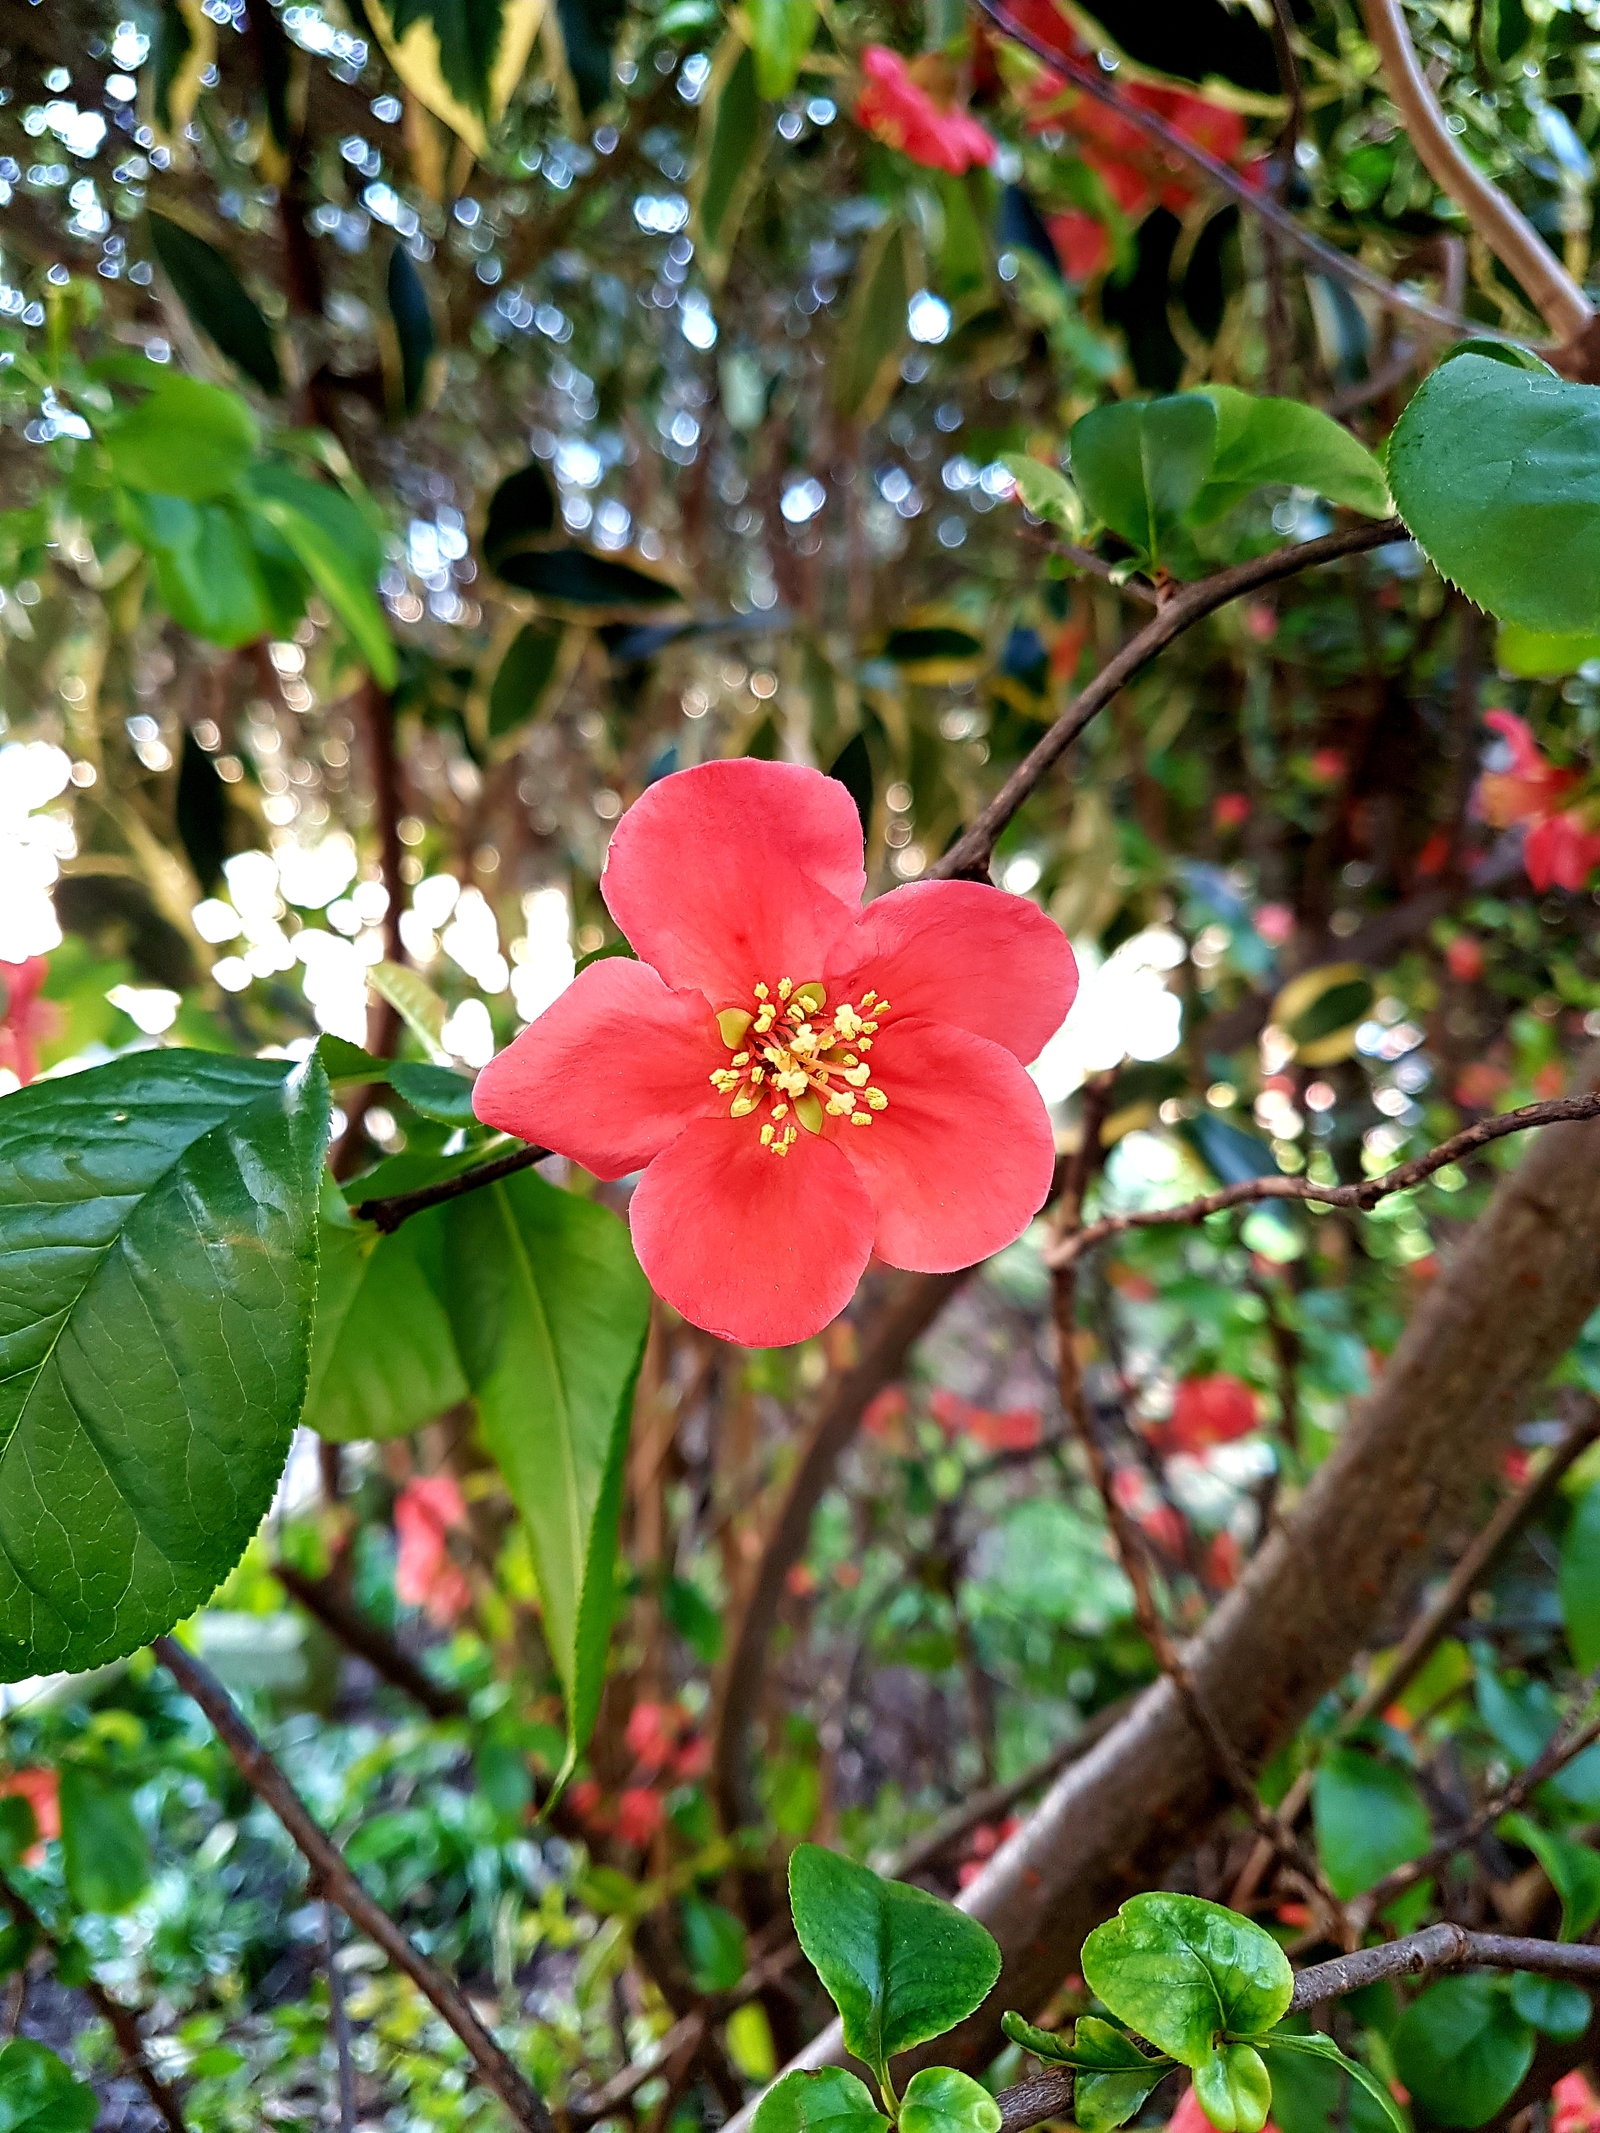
x=652, y=1733
x=425, y=1513
x=1533, y=784
x=1464, y=958
x=1274, y=923
x=1230, y=810
x=1577, y=2107
x=24, y=1017
x=804, y=1083
x=41, y=1788
x=1017, y=1430
x=1325, y=766
x=639, y=1815
x=885, y=1412
x=1082, y=243
x=912, y=108
x=1479, y=1083
x=1560, y=852
x=1210, y=1411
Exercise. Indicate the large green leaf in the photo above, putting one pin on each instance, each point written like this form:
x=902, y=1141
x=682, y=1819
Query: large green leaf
x=185, y=439
x=532, y=662
x=828, y=2101
x=867, y=368
x=217, y=300
x=461, y=58
x=1369, y=1818
x=728, y=166
x=900, y=1964
x=104, y=1854
x=1180, y=1970
x=1318, y=2047
x=338, y=551
x=550, y=1313
x=208, y=569
x=1139, y=464
x=941, y=2099
x=158, y=1226
x=521, y=510
x=1496, y=470
x=1271, y=440
x=383, y=1356
x=1462, y=2048
x=40, y=2094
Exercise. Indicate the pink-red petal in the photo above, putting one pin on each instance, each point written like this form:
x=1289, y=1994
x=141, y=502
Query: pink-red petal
x=756, y=1248
x=962, y=953
x=611, y=1073
x=734, y=872
x=961, y=1161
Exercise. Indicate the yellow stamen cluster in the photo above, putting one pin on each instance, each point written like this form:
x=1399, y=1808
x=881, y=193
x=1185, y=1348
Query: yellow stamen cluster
x=799, y=1061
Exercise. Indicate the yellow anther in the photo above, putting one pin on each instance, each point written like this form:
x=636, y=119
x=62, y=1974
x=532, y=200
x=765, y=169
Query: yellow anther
x=741, y=1059
x=867, y=998
x=863, y=1044
x=839, y=1106
x=766, y=1136
x=761, y=992
x=763, y=1022
x=868, y=1029
x=791, y=1081
x=785, y=987
x=877, y=1099
x=857, y=1075
x=758, y=1075
x=742, y=1105
x=780, y=1110
x=881, y=1009
x=861, y=1118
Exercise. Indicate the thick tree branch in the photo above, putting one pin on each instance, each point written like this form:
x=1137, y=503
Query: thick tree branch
x=388, y=1214
x=969, y=855
x=338, y=1884
x=1403, y=1178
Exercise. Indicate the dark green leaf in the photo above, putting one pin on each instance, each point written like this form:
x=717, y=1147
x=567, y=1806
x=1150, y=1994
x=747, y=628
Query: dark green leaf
x=1232, y=1154
x=202, y=813
x=1270, y=440
x=601, y=955
x=39, y=2094
x=339, y=552
x=530, y=665
x=939, y=2099
x=550, y=1313
x=1574, y=1872
x=504, y=1778
x=1558, y=2007
x=185, y=439
x=588, y=32
x=1113, y=2076
x=694, y=1618
x=215, y=298
x=1369, y=1818
x=1138, y=464
x=158, y=1217
x=1317, y=2046
x=852, y=766
x=468, y=36
x=1232, y=2088
x=867, y=368
x=1462, y=2048
x=522, y=509
x=1496, y=471
x=1179, y=1970
x=1335, y=1009
x=103, y=1850
x=17, y=1942
x=575, y=581
x=829, y=2101
x=901, y=1965
x=383, y=1355
x=782, y=31
x=413, y=325
x=713, y=1945
x=732, y=126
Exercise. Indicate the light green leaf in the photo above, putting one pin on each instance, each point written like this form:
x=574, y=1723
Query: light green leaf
x=1113, y=2076
x=1369, y=1818
x=1534, y=654
x=1579, y=1581
x=939, y=2099
x=208, y=571
x=40, y=2094
x=1555, y=2005
x=103, y=1851
x=413, y=999
x=781, y=32
x=867, y=368
x=185, y=439
x=1574, y=1872
x=1139, y=464
x=1180, y=1970
x=733, y=131
x=1046, y=492
x=1271, y=440
x=1462, y=2048
x=158, y=1223
x=900, y=1964
x=828, y=2101
x=550, y=1313
x=1232, y=2088
x=1316, y=2046
x=218, y=302
x=383, y=1355
x=337, y=549
x=1496, y=471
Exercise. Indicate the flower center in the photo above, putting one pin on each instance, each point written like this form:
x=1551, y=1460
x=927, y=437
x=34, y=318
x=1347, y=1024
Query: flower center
x=802, y=1064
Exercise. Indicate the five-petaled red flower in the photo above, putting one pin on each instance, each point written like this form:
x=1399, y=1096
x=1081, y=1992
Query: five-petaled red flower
x=910, y=105
x=803, y=1082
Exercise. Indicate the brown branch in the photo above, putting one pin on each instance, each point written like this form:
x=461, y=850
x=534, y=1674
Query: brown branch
x=322, y=1598
x=1403, y=1178
x=1502, y=226
x=338, y=1884
x=388, y=1214
x=969, y=855
x=1442, y=1947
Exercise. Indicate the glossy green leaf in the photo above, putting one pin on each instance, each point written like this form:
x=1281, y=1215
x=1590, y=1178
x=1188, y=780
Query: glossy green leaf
x=518, y=691
x=828, y=2101
x=1316, y=2046
x=1580, y=1580
x=588, y=33
x=1113, y=2076
x=185, y=439
x=550, y=1313
x=104, y=1854
x=412, y=998
x=866, y=369
x=1552, y=2004
x=39, y=2093
x=1046, y=492
x=1139, y=464
x=413, y=326
x=1462, y=2048
x=1574, y=1872
x=337, y=549
x=1232, y=2088
x=383, y=1354
x=1272, y=440
x=217, y=300
x=733, y=128
x=208, y=570
x=781, y=31
x=1333, y=1010
x=941, y=2099
x=1179, y=1970
x=713, y=1945
x=1496, y=471
x=900, y=1964
x=158, y=1222
x=522, y=509
x=439, y=1093
x=1369, y=1817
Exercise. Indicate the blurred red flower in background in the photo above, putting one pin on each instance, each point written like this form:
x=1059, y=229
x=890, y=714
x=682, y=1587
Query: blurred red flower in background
x=910, y=105
x=426, y=1512
x=24, y=1018
x=1018, y=1429
x=41, y=1788
x=1559, y=849
x=1208, y=1411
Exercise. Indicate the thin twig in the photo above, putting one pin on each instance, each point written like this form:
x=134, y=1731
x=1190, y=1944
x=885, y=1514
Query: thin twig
x=340, y=2020
x=1558, y=1111
x=969, y=855
x=339, y=1885
x=323, y=1600
x=1443, y=1947
x=388, y=1214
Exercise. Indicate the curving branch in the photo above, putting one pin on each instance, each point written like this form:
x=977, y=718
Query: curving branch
x=1502, y=226
x=388, y=1214
x=1405, y=1177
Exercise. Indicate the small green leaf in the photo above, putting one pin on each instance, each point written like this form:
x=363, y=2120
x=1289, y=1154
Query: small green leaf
x=413, y=326
x=1496, y=472
x=104, y=1854
x=828, y=2101
x=939, y=2099
x=1113, y=2076
x=1046, y=492
x=867, y=368
x=1139, y=464
x=1232, y=2088
x=1180, y=1971
x=1574, y=1872
x=185, y=439
x=1316, y=2046
x=413, y=999
x=1462, y=2048
x=518, y=691
x=217, y=300
x=782, y=31
x=522, y=509
x=439, y=1093
x=1555, y=2005
x=713, y=1945
x=208, y=570
x=383, y=1355
x=1369, y=1818
x=1579, y=1581
x=339, y=552
x=731, y=149
x=900, y=1965
x=1271, y=440
x=40, y=2094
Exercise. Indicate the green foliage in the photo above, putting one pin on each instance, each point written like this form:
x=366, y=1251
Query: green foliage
x=160, y=1217
x=828, y=2101
x=940, y=2099
x=104, y=1853
x=383, y=1356
x=1182, y=1971
x=1112, y=2075
x=523, y=678
x=1579, y=1582
x=1369, y=1816
x=1561, y=2009
x=1139, y=464
x=1272, y=440
x=875, y=335
x=731, y=134
x=218, y=302
x=1462, y=2048
x=1574, y=1872
x=781, y=33
x=1233, y=2088
x=38, y=2094
x=185, y=439
x=1046, y=492
x=1371, y=2104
